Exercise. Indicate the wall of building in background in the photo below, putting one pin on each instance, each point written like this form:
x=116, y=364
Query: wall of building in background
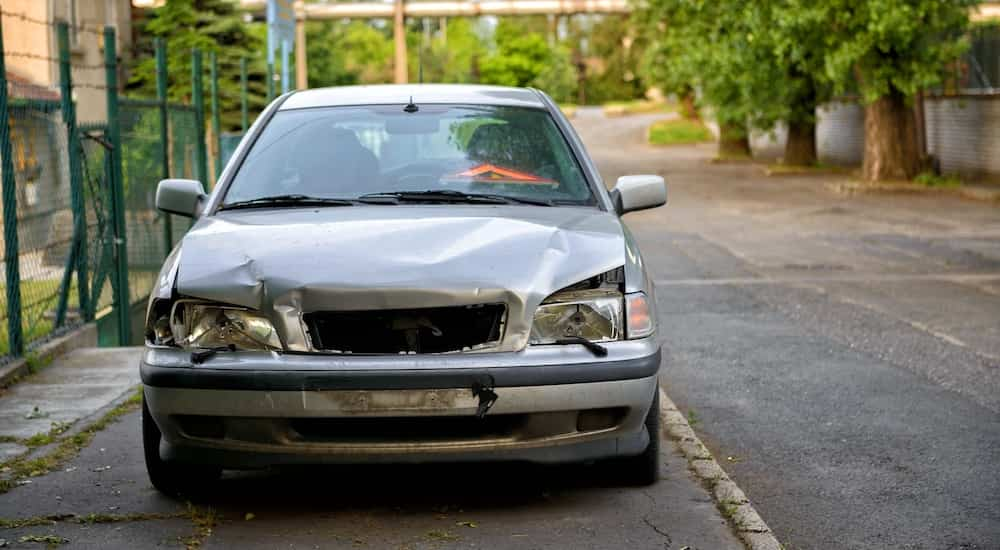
x=963, y=134
x=31, y=48
x=840, y=133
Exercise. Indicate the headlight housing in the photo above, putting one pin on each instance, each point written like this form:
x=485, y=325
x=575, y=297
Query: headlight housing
x=595, y=315
x=596, y=309
x=193, y=324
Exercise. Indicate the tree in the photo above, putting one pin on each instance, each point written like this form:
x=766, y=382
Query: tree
x=342, y=53
x=756, y=63
x=895, y=49
x=449, y=51
x=526, y=59
x=212, y=26
x=704, y=45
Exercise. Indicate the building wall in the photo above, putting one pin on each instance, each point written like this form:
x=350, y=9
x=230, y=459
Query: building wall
x=20, y=37
x=840, y=133
x=86, y=51
x=963, y=134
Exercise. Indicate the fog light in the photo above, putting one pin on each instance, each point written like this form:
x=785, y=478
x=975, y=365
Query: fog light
x=599, y=419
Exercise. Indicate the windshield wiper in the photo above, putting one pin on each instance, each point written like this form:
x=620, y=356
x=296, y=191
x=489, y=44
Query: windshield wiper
x=449, y=195
x=595, y=348
x=286, y=200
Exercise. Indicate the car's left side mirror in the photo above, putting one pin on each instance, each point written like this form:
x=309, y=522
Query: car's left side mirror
x=181, y=197
x=633, y=193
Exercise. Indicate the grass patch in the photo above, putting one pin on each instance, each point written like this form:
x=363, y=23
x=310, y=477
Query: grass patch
x=930, y=179
x=67, y=447
x=42, y=439
x=637, y=106
x=781, y=169
x=50, y=541
x=678, y=132
x=568, y=109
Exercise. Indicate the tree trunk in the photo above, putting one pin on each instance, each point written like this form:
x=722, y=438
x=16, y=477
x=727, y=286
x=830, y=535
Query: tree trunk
x=800, y=148
x=733, y=141
x=688, y=108
x=891, y=151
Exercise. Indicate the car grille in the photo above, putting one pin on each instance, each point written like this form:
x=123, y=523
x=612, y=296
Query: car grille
x=395, y=331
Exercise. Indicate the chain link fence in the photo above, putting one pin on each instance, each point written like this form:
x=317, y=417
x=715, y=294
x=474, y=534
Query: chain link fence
x=82, y=239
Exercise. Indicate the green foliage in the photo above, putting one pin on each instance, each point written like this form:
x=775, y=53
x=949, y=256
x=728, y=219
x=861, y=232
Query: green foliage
x=449, y=52
x=891, y=46
x=212, y=26
x=343, y=53
x=526, y=59
x=765, y=62
x=678, y=131
x=614, y=51
x=930, y=179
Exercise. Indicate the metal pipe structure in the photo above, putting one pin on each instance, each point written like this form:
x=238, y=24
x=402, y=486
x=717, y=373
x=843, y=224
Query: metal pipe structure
x=452, y=8
x=399, y=10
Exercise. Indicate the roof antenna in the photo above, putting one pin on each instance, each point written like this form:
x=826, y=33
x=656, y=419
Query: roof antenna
x=411, y=107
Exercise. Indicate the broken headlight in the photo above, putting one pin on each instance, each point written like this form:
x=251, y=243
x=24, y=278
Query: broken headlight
x=595, y=315
x=192, y=324
x=596, y=309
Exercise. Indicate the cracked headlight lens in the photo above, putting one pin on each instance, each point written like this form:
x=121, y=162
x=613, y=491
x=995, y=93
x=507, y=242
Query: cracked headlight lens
x=592, y=314
x=197, y=325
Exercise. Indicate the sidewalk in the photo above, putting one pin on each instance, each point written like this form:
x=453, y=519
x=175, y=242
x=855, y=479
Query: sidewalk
x=72, y=387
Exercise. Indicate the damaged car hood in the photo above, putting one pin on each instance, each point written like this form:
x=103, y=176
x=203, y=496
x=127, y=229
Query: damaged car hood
x=288, y=262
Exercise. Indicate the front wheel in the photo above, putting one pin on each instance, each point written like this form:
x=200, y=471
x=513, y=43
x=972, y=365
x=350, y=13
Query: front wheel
x=643, y=469
x=171, y=478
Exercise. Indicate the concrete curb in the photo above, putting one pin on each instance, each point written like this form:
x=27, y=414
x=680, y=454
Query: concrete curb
x=971, y=192
x=733, y=503
x=82, y=337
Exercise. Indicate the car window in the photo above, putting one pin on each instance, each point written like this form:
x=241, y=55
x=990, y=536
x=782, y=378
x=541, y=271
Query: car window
x=346, y=152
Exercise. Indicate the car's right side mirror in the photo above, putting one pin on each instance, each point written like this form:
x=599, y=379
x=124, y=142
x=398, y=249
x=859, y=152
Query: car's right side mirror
x=181, y=197
x=633, y=193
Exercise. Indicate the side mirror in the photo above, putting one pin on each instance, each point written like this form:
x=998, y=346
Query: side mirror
x=633, y=193
x=181, y=197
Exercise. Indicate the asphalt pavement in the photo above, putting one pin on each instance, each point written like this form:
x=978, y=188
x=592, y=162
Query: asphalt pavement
x=839, y=353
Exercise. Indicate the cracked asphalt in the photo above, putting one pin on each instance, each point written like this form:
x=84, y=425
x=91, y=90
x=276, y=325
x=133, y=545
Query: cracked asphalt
x=838, y=354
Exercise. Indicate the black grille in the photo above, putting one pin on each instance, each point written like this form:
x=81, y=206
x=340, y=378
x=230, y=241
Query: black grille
x=424, y=330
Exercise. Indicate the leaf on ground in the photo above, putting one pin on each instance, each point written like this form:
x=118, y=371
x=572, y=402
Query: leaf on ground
x=249, y=516
x=470, y=524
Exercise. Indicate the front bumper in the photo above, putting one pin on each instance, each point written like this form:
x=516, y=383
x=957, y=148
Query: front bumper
x=248, y=410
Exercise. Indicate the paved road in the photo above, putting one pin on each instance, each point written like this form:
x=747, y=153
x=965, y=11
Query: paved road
x=844, y=351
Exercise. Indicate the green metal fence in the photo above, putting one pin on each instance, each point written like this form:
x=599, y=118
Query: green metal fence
x=82, y=239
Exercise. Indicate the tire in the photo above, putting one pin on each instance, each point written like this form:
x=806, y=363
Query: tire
x=171, y=478
x=643, y=469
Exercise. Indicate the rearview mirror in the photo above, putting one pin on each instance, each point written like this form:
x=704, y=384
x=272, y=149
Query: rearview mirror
x=633, y=193
x=181, y=197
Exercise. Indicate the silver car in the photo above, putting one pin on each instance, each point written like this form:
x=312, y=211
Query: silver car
x=403, y=274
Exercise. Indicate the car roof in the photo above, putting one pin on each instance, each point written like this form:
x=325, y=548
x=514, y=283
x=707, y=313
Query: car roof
x=389, y=94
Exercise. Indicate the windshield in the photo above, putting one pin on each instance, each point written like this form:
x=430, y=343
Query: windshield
x=350, y=152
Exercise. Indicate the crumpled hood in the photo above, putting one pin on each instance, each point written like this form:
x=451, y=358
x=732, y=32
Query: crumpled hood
x=288, y=262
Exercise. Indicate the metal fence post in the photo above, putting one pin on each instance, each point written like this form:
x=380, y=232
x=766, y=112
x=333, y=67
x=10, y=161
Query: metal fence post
x=161, y=96
x=198, y=98
x=270, y=82
x=122, y=298
x=15, y=341
x=216, y=125
x=244, y=107
x=78, y=252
